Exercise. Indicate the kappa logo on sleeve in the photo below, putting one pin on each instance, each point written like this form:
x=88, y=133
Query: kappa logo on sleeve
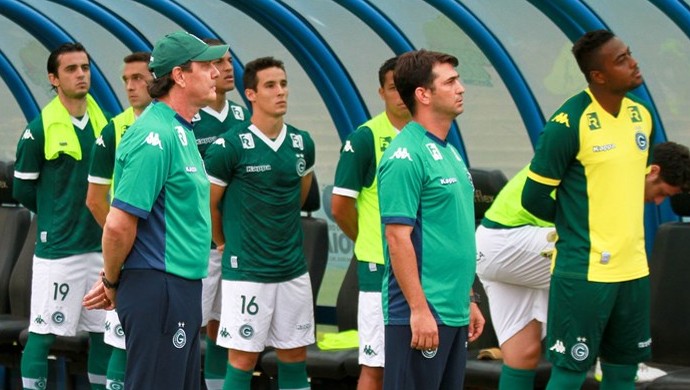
x=561, y=118
x=100, y=142
x=348, y=147
x=154, y=139
x=27, y=134
x=401, y=154
x=220, y=141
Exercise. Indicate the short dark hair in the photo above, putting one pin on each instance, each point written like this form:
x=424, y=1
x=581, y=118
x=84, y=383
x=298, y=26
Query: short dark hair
x=387, y=66
x=586, y=50
x=69, y=47
x=414, y=70
x=213, y=41
x=161, y=86
x=138, y=56
x=674, y=162
x=253, y=67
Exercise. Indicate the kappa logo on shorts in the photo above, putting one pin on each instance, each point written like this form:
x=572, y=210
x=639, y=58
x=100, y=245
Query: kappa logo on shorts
x=119, y=332
x=224, y=333
x=58, y=317
x=107, y=326
x=246, y=331
x=180, y=337
x=580, y=351
x=558, y=347
x=369, y=351
x=39, y=320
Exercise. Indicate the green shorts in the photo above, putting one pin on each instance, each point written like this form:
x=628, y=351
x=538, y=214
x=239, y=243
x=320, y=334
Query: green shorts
x=590, y=319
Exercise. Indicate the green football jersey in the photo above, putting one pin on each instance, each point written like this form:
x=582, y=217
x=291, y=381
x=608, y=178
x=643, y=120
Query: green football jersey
x=209, y=124
x=103, y=152
x=161, y=180
x=65, y=227
x=261, y=206
x=424, y=183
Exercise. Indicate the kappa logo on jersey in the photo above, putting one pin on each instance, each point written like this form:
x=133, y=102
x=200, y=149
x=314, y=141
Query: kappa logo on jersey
x=580, y=351
x=603, y=148
x=561, y=118
x=644, y=344
x=448, y=180
x=237, y=112
x=385, y=142
x=435, y=153
x=182, y=135
x=220, y=141
x=247, y=141
x=154, y=139
x=401, y=154
x=27, y=134
x=297, y=141
x=634, y=113
x=558, y=347
x=641, y=141
x=593, y=121
x=348, y=147
x=179, y=339
x=100, y=142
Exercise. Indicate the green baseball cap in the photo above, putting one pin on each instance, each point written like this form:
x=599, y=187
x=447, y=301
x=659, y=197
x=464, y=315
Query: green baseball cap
x=179, y=47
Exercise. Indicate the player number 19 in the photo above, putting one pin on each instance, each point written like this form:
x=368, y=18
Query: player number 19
x=62, y=289
x=250, y=307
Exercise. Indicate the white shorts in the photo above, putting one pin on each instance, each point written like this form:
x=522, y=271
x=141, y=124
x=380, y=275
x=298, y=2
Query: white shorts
x=114, y=334
x=516, y=274
x=370, y=329
x=57, y=289
x=256, y=315
x=211, y=290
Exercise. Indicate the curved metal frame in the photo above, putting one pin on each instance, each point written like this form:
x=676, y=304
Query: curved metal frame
x=18, y=87
x=399, y=43
x=51, y=35
x=342, y=101
x=523, y=97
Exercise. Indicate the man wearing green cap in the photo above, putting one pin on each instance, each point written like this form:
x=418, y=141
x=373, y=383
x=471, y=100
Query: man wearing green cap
x=155, y=239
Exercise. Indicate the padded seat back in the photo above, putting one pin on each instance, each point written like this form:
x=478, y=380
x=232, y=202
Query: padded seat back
x=669, y=276
x=315, y=244
x=14, y=225
x=348, y=299
x=20, y=280
x=487, y=184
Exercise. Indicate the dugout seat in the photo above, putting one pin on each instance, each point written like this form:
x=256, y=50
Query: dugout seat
x=315, y=238
x=670, y=314
x=14, y=226
x=487, y=184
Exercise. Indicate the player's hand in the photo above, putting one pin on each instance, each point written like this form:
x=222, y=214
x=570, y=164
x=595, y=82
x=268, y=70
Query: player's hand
x=97, y=298
x=477, y=321
x=424, y=330
x=220, y=248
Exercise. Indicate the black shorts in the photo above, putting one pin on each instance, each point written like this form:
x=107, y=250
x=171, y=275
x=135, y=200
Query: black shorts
x=161, y=316
x=408, y=368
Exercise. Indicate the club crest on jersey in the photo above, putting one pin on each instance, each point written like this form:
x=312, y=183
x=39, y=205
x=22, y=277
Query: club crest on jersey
x=634, y=113
x=237, y=112
x=297, y=141
x=435, y=153
x=641, y=141
x=247, y=141
x=301, y=165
